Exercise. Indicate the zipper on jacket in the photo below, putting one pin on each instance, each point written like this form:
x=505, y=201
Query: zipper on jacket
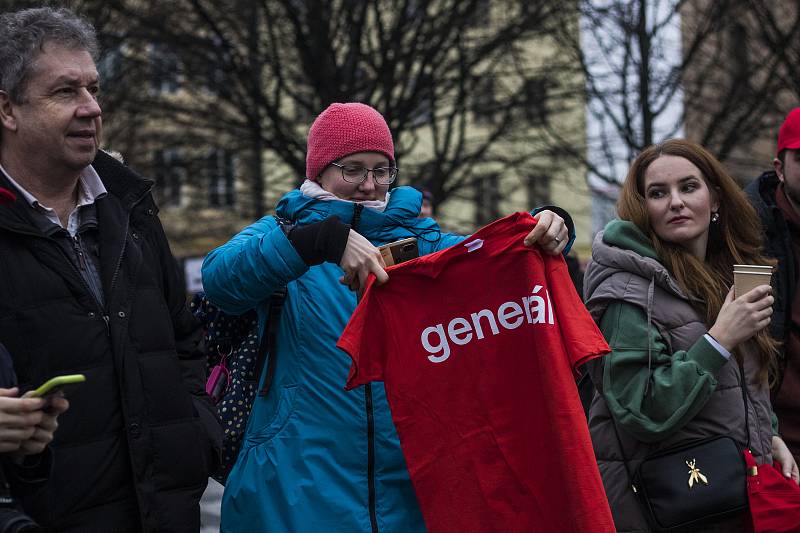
x=83, y=264
x=79, y=254
x=100, y=310
x=357, y=209
x=373, y=516
x=119, y=259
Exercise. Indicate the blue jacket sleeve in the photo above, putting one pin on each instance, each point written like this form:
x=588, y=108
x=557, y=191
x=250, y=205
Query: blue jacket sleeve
x=243, y=272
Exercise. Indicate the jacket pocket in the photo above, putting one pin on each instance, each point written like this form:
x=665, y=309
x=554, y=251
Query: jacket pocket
x=266, y=432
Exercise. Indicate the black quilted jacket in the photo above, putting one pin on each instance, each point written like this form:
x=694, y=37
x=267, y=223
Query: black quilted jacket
x=777, y=244
x=134, y=451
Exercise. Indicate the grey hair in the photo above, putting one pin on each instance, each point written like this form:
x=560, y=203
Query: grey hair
x=23, y=35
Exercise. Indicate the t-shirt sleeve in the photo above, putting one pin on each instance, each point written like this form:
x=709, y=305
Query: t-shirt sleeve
x=582, y=338
x=365, y=340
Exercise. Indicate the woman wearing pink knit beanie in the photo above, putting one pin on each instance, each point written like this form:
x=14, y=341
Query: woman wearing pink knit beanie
x=317, y=457
x=344, y=129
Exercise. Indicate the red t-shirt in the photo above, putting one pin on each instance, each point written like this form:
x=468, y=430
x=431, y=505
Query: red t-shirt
x=477, y=345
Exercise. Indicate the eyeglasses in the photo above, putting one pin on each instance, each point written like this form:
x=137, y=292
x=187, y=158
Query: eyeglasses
x=357, y=173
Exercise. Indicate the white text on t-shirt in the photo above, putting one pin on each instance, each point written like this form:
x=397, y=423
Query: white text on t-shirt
x=509, y=315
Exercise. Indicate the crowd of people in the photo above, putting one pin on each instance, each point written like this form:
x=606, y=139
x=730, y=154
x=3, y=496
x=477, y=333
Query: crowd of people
x=89, y=286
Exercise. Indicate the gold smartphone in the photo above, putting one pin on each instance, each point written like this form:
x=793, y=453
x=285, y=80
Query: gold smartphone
x=397, y=252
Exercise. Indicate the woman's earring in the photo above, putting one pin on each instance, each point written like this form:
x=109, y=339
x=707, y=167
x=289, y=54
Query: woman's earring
x=714, y=217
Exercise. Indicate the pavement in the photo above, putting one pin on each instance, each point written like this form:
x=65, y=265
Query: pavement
x=210, y=507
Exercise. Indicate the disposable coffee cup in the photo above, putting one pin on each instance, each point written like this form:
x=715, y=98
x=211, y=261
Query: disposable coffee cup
x=755, y=269
x=748, y=277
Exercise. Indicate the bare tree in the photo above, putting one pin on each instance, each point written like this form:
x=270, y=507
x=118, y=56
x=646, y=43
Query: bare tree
x=660, y=68
x=741, y=83
x=777, y=26
x=257, y=72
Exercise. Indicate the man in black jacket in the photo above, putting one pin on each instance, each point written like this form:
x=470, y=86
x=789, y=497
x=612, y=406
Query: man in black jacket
x=776, y=197
x=89, y=285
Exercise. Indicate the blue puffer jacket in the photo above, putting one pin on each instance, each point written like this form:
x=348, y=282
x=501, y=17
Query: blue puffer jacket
x=315, y=458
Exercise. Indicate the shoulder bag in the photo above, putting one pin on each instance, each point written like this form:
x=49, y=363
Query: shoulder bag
x=693, y=483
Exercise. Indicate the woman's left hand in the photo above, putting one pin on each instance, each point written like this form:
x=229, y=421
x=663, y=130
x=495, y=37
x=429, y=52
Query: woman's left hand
x=550, y=233
x=781, y=453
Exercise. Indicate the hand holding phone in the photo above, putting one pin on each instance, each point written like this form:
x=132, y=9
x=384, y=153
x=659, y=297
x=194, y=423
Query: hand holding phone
x=36, y=424
x=18, y=419
x=54, y=405
x=359, y=260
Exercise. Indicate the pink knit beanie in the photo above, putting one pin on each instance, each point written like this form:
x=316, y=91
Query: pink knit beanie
x=345, y=129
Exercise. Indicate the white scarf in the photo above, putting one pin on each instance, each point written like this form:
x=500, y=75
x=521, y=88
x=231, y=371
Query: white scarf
x=312, y=189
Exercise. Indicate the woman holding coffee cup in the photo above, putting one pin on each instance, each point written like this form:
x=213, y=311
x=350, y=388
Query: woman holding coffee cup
x=659, y=284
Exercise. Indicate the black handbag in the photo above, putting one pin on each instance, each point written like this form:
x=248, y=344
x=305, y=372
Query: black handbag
x=692, y=483
x=696, y=482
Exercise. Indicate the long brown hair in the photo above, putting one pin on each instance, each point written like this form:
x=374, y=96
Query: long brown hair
x=734, y=239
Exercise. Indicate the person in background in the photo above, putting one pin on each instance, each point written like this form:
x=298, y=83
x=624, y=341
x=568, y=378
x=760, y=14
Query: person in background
x=659, y=286
x=776, y=198
x=315, y=457
x=89, y=286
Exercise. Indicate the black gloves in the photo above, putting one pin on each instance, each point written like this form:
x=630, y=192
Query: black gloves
x=321, y=241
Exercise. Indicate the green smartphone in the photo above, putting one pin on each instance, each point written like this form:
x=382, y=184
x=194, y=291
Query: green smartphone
x=58, y=383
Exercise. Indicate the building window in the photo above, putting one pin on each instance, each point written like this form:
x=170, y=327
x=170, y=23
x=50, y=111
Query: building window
x=164, y=69
x=485, y=104
x=480, y=14
x=538, y=190
x=216, y=64
x=422, y=113
x=170, y=174
x=487, y=199
x=535, y=93
x=221, y=178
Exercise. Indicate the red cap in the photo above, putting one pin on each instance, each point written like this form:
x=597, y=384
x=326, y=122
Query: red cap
x=344, y=129
x=6, y=196
x=789, y=134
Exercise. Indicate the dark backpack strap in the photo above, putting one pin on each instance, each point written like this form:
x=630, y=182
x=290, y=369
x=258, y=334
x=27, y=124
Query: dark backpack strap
x=266, y=348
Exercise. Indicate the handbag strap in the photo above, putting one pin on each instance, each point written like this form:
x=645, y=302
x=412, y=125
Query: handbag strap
x=745, y=395
x=624, y=458
x=266, y=347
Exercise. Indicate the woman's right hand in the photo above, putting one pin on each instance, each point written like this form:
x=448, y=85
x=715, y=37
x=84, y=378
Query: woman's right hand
x=740, y=319
x=360, y=258
x=19, y=419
